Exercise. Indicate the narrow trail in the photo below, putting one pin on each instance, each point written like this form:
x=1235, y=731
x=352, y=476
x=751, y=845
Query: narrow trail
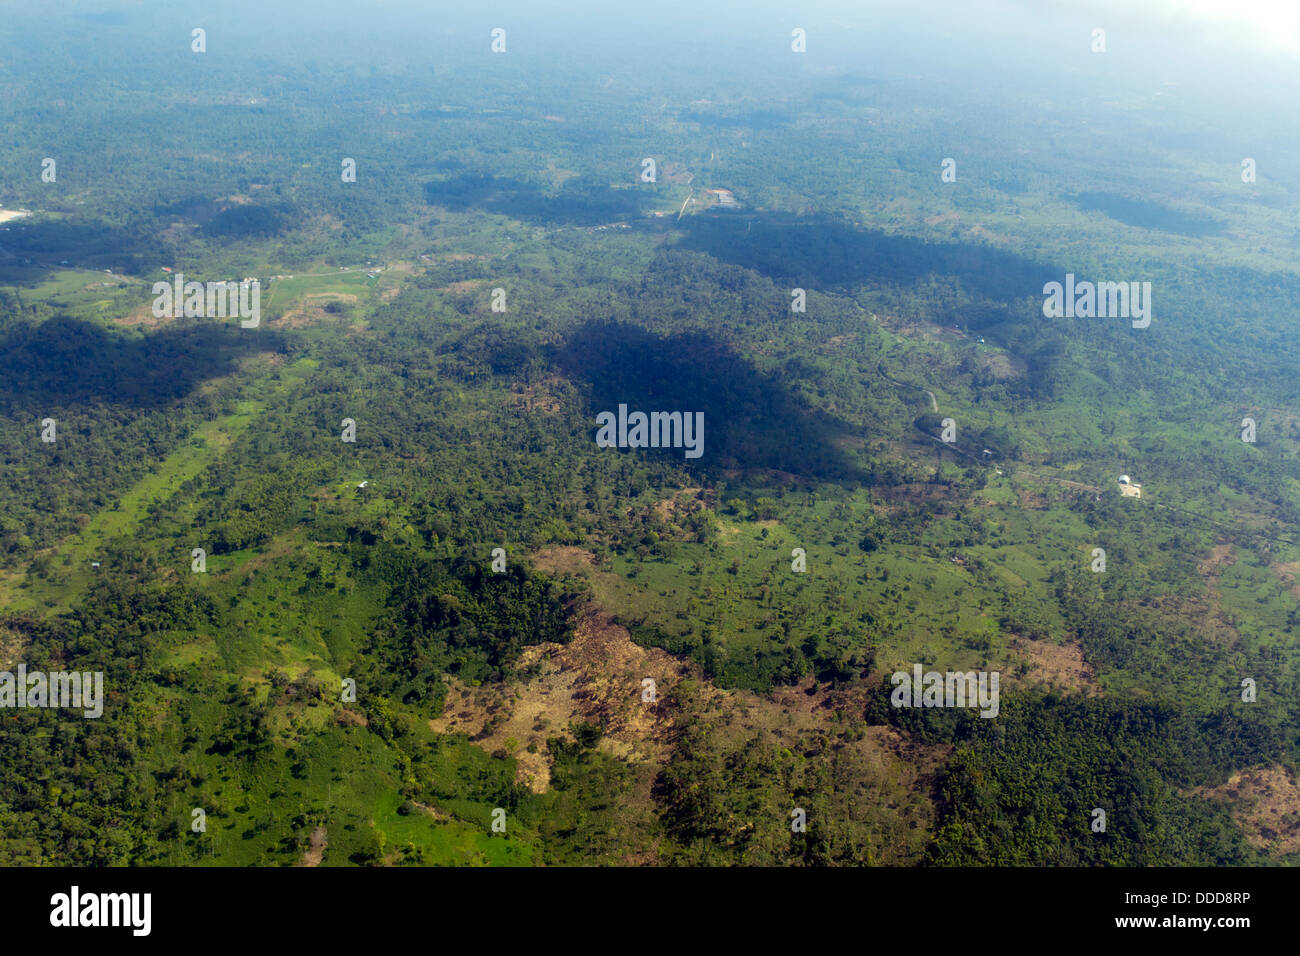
x=934, y=403
x=684, y=202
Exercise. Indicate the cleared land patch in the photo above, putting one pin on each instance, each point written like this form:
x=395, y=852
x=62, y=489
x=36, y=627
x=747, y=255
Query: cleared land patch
x=1266, y=805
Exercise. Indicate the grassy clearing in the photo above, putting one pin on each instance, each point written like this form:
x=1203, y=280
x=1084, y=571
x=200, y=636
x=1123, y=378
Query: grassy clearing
x=129, y=515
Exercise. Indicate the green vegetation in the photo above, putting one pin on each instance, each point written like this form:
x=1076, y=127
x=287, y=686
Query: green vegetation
x=228, y=691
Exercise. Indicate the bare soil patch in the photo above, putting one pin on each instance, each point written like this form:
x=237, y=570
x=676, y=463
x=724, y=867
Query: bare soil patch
x=1266, y=805
x=351, y=718
x=143, y=315
x=682, y=502
x=316, y=848
x=1290, y=575
x=872, y=766
x=596, y=678
x=1000, y=365
x=464, y=287
x=1221, y=556
x=563, y=560
x=11, y=647
x=311, y=309
x=1059, y=666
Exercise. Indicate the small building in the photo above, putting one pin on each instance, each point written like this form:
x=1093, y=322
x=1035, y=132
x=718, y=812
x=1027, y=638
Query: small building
x=363, y=484
x=1129, y=488
x=95, y=565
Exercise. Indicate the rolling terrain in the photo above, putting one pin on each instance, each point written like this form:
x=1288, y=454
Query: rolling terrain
x=430, y=645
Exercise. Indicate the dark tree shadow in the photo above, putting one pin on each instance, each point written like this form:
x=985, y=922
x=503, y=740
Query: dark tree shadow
x=826, y=253
x=28, y=252
x=750, y=421
x=1148, y=215
x=64, y=361
x=574, y=204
